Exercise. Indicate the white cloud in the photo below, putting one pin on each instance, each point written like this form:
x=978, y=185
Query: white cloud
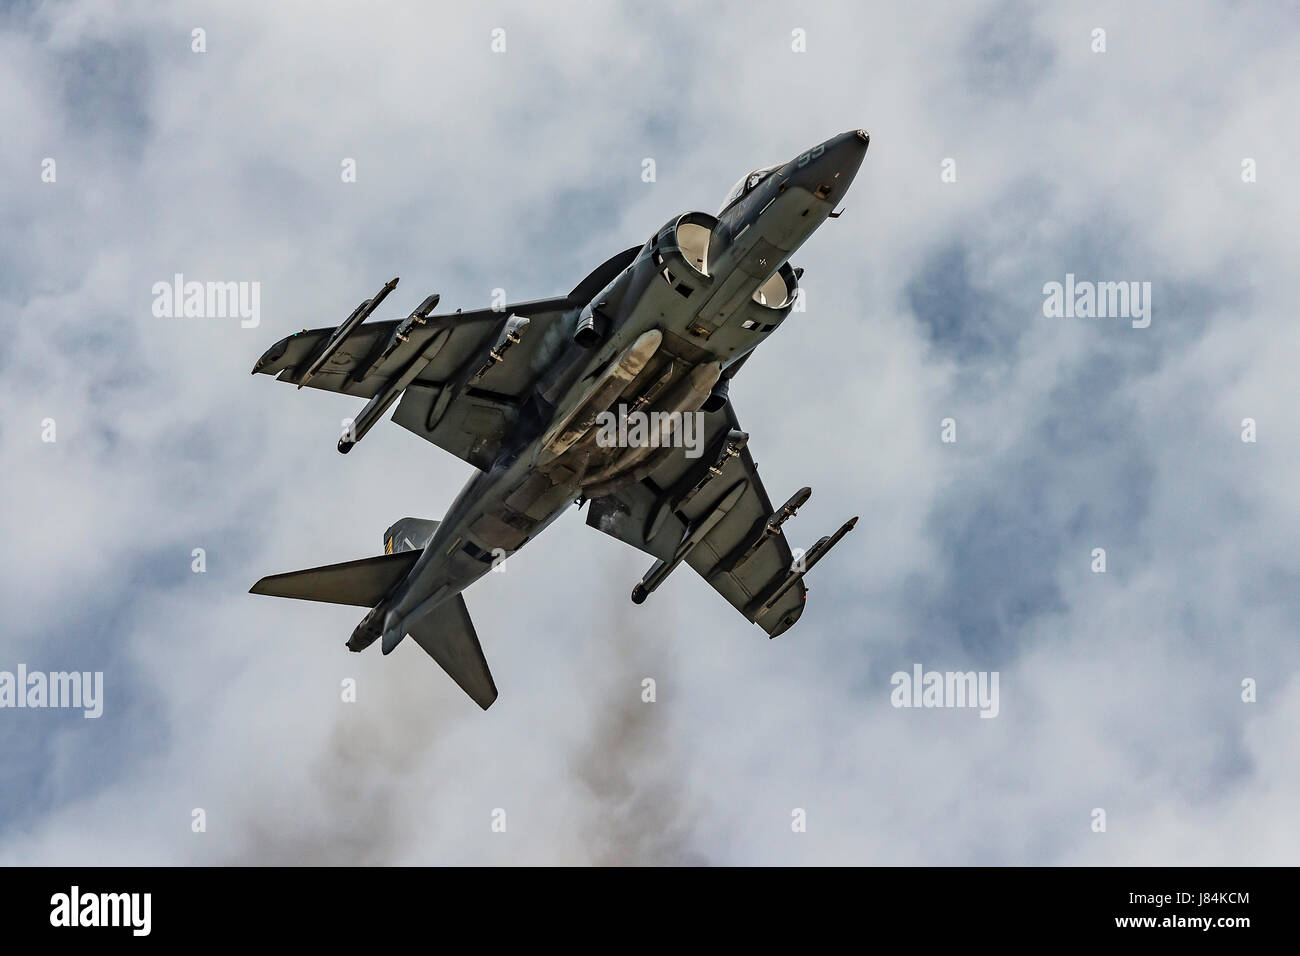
x=523, y=170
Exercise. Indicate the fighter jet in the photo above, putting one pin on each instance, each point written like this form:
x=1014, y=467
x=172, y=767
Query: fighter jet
x=615, y=395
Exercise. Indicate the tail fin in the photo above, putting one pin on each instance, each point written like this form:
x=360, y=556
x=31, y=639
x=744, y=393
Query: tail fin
x=447, y=635
x=409, y=534
x=363, y=583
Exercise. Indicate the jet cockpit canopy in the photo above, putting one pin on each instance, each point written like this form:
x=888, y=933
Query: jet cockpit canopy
x=746, y=185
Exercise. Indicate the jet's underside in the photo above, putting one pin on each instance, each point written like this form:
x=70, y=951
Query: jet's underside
x=548, y=400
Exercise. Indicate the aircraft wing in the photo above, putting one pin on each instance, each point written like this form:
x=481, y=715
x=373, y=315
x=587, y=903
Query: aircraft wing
x=457, y=388
x=479, y=397
x=736, y=549
x=359, y=368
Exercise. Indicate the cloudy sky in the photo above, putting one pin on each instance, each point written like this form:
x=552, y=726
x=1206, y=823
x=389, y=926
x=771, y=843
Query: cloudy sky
x=1119, y=691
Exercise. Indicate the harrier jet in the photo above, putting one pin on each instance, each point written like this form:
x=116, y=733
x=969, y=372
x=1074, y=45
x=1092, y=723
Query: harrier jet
x=614, y=395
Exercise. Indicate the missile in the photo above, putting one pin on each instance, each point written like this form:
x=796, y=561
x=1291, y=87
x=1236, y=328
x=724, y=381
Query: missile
x=824, y=545
x=731, y=445
x=818, y=551
x=770, y=529
x=417, y=318
x=727, y=447
x=515, y=328
x=422, y=311
x=788, y=510
x=348, y=326
x=511, y=334
x=661, y=569
x=389, y=391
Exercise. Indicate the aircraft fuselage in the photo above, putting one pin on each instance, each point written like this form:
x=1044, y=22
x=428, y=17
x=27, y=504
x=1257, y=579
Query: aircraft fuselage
x=667, y=334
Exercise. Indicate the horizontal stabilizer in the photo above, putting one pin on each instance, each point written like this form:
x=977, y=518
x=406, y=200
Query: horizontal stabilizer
x=447, y=635
x=362, y=583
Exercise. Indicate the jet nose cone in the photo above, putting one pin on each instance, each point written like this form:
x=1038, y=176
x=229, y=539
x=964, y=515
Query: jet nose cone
x=844, y=154
x=857, y=138
x=827, y=169
x=855, y=141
